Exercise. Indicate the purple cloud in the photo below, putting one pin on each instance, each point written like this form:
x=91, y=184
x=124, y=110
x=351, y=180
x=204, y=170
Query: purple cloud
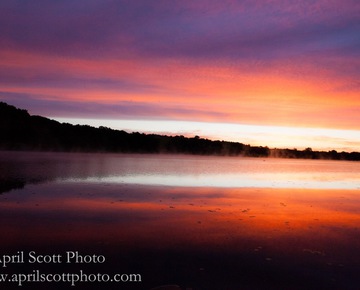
x=208, y=30
x=290, y=38
x=114, y=110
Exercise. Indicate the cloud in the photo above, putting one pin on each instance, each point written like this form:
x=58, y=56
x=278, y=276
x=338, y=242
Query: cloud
x=118, y=110
x=253, y=62
x=233, y=30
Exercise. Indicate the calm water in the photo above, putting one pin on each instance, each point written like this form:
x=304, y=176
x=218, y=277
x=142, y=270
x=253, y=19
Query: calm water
x=198, y=222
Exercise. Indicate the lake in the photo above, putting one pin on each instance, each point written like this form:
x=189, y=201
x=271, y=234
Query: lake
x=200, y=222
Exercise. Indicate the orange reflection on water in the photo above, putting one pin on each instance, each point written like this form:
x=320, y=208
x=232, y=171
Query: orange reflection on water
x=174, y=217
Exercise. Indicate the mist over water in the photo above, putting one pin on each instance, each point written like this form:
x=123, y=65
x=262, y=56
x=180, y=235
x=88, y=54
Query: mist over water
x=197, y=221
x=181, y=170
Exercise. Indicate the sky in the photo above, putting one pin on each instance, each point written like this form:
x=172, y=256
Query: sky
x=277, y=73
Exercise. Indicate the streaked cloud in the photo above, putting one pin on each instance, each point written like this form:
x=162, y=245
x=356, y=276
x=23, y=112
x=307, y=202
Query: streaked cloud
x=273, y=63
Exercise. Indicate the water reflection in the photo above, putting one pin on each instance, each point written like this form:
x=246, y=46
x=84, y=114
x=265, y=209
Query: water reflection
x=238, y=180
x=266, y=229
x=20, y=168
x=201, y=237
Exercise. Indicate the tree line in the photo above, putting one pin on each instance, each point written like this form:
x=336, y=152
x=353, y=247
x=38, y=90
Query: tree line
x=21, y=131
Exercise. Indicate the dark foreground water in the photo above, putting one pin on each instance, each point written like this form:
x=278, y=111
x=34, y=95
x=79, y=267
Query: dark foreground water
x=197, y=222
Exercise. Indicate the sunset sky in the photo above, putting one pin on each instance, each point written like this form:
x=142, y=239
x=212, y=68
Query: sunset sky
x=275, y=73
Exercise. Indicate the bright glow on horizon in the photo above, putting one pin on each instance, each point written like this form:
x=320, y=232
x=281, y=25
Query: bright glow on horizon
x=256, y=135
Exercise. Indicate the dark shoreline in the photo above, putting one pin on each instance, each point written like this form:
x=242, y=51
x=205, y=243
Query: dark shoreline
x=20, y=131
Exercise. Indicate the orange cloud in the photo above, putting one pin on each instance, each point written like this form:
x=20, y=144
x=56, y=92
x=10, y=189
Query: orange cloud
x=289, y=94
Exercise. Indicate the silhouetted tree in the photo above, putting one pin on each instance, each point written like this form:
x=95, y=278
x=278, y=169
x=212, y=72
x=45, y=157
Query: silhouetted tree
x=20, y=131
